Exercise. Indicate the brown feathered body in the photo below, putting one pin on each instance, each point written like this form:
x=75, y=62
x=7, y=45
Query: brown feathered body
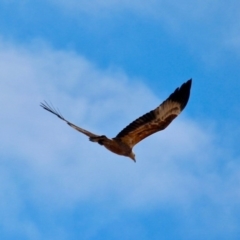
x=151, y=122
x=115, y=145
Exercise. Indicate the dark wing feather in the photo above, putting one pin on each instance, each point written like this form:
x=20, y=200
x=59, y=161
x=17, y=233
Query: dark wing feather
x=51, y=109
x=158, y=119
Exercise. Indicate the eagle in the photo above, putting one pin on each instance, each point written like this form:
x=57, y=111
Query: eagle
x=149, y=123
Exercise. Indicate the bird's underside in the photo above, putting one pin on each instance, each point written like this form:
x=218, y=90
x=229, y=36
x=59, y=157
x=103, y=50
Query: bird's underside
x=151, y=122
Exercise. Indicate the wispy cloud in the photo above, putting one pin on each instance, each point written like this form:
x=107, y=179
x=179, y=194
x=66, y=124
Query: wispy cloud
x=203, y=26
x=48, y=166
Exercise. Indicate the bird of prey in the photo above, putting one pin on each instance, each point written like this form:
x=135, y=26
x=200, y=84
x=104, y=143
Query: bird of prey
x=151, y=122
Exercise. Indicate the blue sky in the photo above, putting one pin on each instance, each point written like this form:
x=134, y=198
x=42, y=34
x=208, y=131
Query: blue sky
x=104, y=63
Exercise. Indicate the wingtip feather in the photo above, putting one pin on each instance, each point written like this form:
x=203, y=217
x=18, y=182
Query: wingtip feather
x=182, y=94
x=51, y=109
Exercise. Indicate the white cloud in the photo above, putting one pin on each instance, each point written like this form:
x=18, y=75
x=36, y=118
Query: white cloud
x=58, y=168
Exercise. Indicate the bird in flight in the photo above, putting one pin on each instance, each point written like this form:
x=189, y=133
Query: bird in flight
x=151, y=122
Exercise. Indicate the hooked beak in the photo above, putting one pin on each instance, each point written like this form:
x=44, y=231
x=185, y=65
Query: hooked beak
x=133, y=158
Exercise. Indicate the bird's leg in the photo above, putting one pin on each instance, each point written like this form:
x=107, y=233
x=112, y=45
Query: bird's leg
x=99, y=139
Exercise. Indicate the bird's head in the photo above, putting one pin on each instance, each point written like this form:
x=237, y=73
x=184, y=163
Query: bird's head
x=132, y=156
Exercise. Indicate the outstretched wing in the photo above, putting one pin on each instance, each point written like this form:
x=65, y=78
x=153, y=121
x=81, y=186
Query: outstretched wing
x=157, y=119
x=47, y=107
